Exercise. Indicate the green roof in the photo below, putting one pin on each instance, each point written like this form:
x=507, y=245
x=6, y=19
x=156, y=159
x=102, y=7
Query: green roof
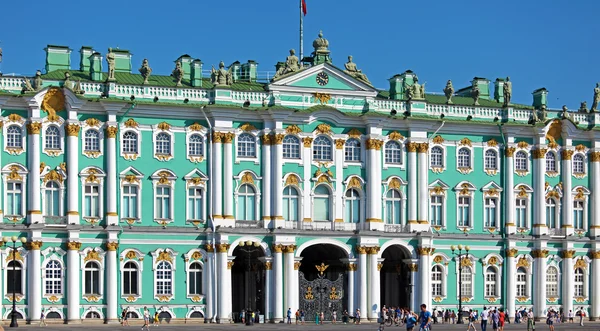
x=457, y=100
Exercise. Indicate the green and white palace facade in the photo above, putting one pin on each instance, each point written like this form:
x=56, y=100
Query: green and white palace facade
x=204, y=193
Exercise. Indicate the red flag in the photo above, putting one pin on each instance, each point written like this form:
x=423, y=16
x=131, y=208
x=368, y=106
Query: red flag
x=304, y=7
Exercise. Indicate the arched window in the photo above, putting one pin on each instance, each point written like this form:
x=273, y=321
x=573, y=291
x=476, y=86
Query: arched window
x=53, y=279
x=14, y=137
x=393, y=152
x=464, y=158
x=246, y=145
x=466, y=289
x=393, y=207
x=578, y=210
x=196, y=314
x=321, y=204
x=52, y=199
x=53, y=315
x=552, y=282
x=521, y=161
x=92, y=315
x=578, y=282
x=14, y=196
x=550, y=162
x=352, y=212
x=195, y=279
x=91, y=198
x=491, y=278
x=491, y=160
x=291, y=147
x=521, y=282
x=164, y=277
x=130, y=142
x=521, y=213
x=130, y=201
x=92, y=141
x=130, y=279
x=246, y=203
x=290, y=204
x=578, y=165
x=195, y=206
x=162, y=204
x=490, y=212
x=195, y=147
x=436, y=157
x=14, y=278
x=92, y=278
x=52, y=137
x=352, y=150
x=322, y=149
x=436, y=281
x=163, y=144
x=551, y=221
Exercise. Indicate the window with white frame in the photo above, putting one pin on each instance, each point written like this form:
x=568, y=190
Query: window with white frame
x=322, y=149
x=130, y=143
x=291, y=147
x=162, y=202
x=521, y=282
x=164, y=278
x=521, y=213
x=195, y=145
x=436, y=157
x=491, y=160
x=53, y=278
x=552, y=282
x=352, y=210
x=92, y=278
x=464, y=158
x=290, y=204
x=464, y=211
x=246, y=145
x=130, y=201
x=163, y=144
x=246, y=203
x=92, y=141
x=466, y=289
x=14, y=137
x=491, y=279
x=352, y=150
x=52, y=137
x=195, y=206
x=436, y=214
x=393, y=207
x=91, y=198
x=578, y=210
x=14, y=198
x=52, y=199
x=551, y=162
x=578, y=164
x=130, y=279
x=521, y=161
x=393, y=152
x=490, y=212
x=578, y=283
x=551, y=208
x=195, y=279
x=321, y=203
x=436, y=281
x=14, y=277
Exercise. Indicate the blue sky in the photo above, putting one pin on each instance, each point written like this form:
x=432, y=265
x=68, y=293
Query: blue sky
x=552, y=44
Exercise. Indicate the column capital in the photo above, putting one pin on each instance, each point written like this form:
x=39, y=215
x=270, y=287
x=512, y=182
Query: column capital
x=413, y=267
x=307, y=141
x=34, y=245
x=223, y=248
x=269, y=265
x=511, y=252
x=73, y=130
x=297, y=265
x=111, y=131
x=277, y=139
x=375, y=144
x=112, y=245
x=425, y=250
x=566, y=154
x=423, y=148
x=594, y=156
x=509, y=151
x=73, y=245
x=217, y=137
x=540, y=253
x=539, y=153
x=230, y=264
x=352, y=267
x=339, y=143
x=595, y=255
x=361, y=249
x=412, y=147
x=277, y=248
x=267, y=139
x=567, y=254
x=34, y=127
x=373, y=250
x=289, y=248
x=210, y=248
x=379, y=266
x=228, y=137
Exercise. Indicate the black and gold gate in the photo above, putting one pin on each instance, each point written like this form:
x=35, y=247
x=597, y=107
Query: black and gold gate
x=321, y=295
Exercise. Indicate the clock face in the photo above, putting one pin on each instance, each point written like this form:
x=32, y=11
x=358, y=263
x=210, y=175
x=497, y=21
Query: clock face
x=322, y=78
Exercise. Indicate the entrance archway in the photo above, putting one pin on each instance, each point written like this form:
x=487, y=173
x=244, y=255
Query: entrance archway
x=248, y=280
x=395, y=278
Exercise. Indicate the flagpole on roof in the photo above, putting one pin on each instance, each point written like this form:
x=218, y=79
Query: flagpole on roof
x=301, y=31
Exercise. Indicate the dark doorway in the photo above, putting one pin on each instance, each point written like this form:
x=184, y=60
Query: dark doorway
x=328, y=254
x=395, y=279
x=248, y=281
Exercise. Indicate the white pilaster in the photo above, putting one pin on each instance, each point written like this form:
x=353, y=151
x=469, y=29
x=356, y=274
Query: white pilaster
x=424, y=276
x=112, y=292
x=567, y=197
x=217, y=180
x=111, y=174
x=509, y=194
x=306, y=160
x=73, y=174
x=412, y=184
x=567, y=278
x=278, y=284
x=35, y=281
x=268, y=289
x=595, y=290
x=363, y=267
x=374, y=287
x=595, y=199
x=539, y=272
x=413, y=266
x=267, y=185
x=423, y=186
x=339, y=178
x=210, y=289
x=73, y=291
x=539, y=194
x=289, y=277
x=224, y=288
x=228, y=179
x=352, y=266
x=277, y=183
x=511, y=271
x=374, y=221
x=35, y=213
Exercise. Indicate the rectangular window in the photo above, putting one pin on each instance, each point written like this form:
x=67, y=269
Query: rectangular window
x=163, y=202
x=195, y=204
x=490, y=213
x=130, y=199
x=92, y=203
x=466, y=288
x=436, y=212
x=92, y=284
x=521, y=213
x=14, y=198
x=521, y=284
x=130, y=282
x=464, y=211
x=578, y=214
x=13, y=280
x=321, y=209
x=490, y=284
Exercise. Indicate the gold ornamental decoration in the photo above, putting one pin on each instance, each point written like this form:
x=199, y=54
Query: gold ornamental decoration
x=14, y=174
x=131, y=299
x=53, y=299
x=595, y=156
x=289, y=248
x=268, y=265
x=131, y=255
x=53, y=175
x=395, y=183
x=15, y=118
x=352, y=267
x=164, y=126
x=412, y=147
x=266, y=139
x=540, y=253
x=210, y=248
x=523, y=263
x=34, y=127
x=595, y=255
x=53, y=102
x=361, y=249
x=247, y=127
x=247, y=178
x=334, y=294
x=522, y=144
x=509, y=151
x=131, y=123
x=309, y=293
x=164, y=180
x=292, y=179
x=196, y=256
x=293, y=129
x=437, y=299
x=277, y=248
x=465, y=262
x=277, y=139
x=580, y=263
x=437, y=190
x=438, y=140
x=511, y=252
x=323, y=129
x=92, y=122
x=164, y=298
x=307, y=141
x=374, y=144
x=354, y=182
x=493, y=192
x=321, y=268
x=580, y=148
x=195, y=127
x=354, y=133
x=566, y=154
x=395, y=135
x=217, y=137
x=73, y=129
x=14, y=255
x=228, y=137
x=465, y=142
x=373, y=250
x=423, y=148
x=195, y=298
x=492, y=143
x=567, y=254
x=339, y=143
x=539, y=153
x=92, y=255
x=230, y=264
x=297, y=265
x=493, y=260
x=438, y=259
x=413, y=267
x=164, y=256
x=73, y=245
x=111, y=131
x=222, y=248
x=323, y=98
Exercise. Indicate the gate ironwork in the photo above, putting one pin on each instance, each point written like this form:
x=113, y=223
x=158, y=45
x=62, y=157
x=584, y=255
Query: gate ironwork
x=321, y=295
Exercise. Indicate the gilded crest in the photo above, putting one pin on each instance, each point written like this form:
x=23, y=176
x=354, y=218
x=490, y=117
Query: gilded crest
x=522, y=144
x=247, y=127
x=164, y=126
x=292, y=179
x=164, y=256
x=395, y=135
x=92, y=122
x=53, y=175
x=309, y=293
x=323, y=98
x=465, y=142
x=54, y=101
x=92, y=255
x=354, y=133
x=247, y=178
x=492, y=143
x=354, y=182
x=321, y=268
x=395, y=183
x=131, y=123
x=131, y=255
x=195, y=127
x=293, y=129
x=438, y=140
x=323, y=129
x=196, y=256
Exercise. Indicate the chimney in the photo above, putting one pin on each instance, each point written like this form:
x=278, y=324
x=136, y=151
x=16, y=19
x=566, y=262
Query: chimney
x=57, y=58
x=484, y=87
x=122, y=60
x=249, y=71
x=397, y=84
x=499, y=90
x=196, y=73
x=236, y=71
x=85, y=61
x=540, y=98
x=96, y=67
x=186, y=65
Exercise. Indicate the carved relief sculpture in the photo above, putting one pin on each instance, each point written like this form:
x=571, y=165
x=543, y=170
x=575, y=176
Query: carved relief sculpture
x=145, y=71
x=177, y=73
x=449, y=92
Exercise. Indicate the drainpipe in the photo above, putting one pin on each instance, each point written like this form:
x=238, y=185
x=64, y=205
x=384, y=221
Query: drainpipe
x=436, y=131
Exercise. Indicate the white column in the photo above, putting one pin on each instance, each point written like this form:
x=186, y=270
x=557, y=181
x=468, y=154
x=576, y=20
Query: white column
x=306, y=160
x=595, y=293
x=73, y=174
x=74, y=289
x=374, y=185
x=289, y=277
x=295, y=285
x=339, y=180
x=424, y=271
x=112, y=292
x=224, y=287
x=210, y=290
x=539, y=272
x=539, y=193
x=278, y=284
x=351, y=287
x=35, y=280
x=567, y=197
x=268, y=289
x=277, y=182
x=228, y=176
x=423, y=186
x=111, y=174
x=594, y=221
x=35, y=213
x=412, y=183
x=217, y=180
x=266, y=182
x=363, y=284
x=567, y=279
x=511, y=271
x=374, y=287
x=414, y=279
x=509, y=193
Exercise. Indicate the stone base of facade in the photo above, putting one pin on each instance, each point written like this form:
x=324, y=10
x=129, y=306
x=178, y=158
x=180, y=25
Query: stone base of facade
x=77, y=321
x=112, y=321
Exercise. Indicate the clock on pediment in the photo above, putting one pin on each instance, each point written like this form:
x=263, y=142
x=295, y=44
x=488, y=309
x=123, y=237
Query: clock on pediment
x=322, y=78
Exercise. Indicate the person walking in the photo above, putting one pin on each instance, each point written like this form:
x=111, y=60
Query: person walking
x=550, y=320
x=501, y=319
x=424, y=318
x=156, y=318
x=302, y=317
x=146, y=319
x=297, y=316
x=357, y=316
x=581, y=316
x=317, y=318
x=530, y=320
x=289, y=316
x=124, y=317
x=43, y=319
x=570, y=316
x=322, y=317
x=471, y=320
x=484, y=319
x=411, y=320
x=333, y=317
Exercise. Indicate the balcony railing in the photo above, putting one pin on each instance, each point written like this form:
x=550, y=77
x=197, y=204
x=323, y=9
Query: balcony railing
x=248, y=224
x=55, y=220
x=329, y=226
x=396, y=228
x=557, y=232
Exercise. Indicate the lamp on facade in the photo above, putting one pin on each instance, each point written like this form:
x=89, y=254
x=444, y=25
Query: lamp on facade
x=13, y=314
x=248, y=247
x=458, y=252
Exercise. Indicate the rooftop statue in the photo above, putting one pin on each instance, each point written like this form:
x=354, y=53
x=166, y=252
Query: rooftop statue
x=596, y=98
x=507, y=91
x=67, y=83
x=475, y=93
x=321, y=44
x=415, y=91
x=449, y=92
x=110, y=59
x=565, y=115
x=221, y=77
x=353, y=71
x=291, y=65
x=37, y=82
x=177, y=73
x=27, y=86
x=583, y=107
x=77, y=89
x=145, y=70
